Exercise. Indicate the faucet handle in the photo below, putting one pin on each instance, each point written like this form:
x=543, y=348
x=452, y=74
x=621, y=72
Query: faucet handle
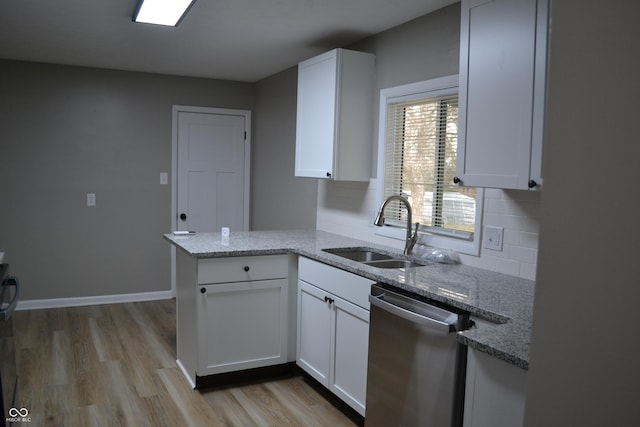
x=412, y=240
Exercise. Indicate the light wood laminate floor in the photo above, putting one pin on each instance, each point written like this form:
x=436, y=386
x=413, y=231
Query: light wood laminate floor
x=114, y=365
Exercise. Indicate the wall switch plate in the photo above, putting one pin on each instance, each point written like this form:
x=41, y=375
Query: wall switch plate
x=164, y=178
x=91, y=199
x=493, y=238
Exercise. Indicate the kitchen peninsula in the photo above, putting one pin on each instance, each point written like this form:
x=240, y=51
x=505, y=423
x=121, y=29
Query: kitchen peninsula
x=504, y=301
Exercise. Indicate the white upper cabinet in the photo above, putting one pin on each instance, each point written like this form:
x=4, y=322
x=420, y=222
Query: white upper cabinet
x=334, y=126
x=503, y=47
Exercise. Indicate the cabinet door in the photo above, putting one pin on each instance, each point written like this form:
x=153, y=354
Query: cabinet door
x=315, y=125
x=242, y=325
x=334, y=124
x=497, y=63
x=314, y=332
x=495, y=392
x=350, y=348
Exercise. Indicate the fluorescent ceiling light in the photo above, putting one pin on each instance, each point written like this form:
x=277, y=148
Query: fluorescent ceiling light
x=162, y=12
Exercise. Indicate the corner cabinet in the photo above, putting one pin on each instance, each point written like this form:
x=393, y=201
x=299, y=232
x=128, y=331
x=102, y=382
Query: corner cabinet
x=503, y=50
x=232, y=314
x=333, y=330
x=334, y=124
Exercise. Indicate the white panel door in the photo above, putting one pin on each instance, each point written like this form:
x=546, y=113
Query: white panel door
x=211, y=175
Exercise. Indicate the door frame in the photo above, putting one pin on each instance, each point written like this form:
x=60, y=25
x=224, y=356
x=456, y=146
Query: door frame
x=175, y=110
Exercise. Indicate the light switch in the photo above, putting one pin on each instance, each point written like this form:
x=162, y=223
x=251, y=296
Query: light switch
x=164, y=178
x=91, y=199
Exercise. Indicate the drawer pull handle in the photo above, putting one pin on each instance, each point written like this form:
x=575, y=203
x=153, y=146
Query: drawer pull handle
x=246, y=268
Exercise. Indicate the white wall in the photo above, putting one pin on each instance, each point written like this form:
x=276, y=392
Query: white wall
x=585, y=346
x=429, y=47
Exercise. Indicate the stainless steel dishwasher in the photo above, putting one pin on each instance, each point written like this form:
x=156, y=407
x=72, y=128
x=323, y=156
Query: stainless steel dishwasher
x=416, y=369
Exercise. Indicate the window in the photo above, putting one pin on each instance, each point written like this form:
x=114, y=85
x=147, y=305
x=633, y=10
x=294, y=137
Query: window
x=417, y=160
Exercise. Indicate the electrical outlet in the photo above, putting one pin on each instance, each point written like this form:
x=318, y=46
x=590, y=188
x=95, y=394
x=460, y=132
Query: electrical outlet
x=91, y=199
x=493, y=238
x=164, y=178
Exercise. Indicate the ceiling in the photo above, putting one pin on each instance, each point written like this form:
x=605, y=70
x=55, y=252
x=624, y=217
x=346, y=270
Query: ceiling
x=244, y=40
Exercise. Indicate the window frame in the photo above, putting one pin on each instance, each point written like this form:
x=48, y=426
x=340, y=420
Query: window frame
x=424, y=89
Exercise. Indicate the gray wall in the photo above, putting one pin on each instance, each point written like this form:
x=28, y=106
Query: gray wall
x=425, y=48
x=585, y=347
x=279, y=200
x=68, y=131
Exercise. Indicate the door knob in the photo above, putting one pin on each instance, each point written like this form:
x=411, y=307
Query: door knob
x=183, y=216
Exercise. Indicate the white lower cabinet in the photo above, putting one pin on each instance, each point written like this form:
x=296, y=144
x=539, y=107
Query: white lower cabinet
x=332, y=332
x=232, y=314
x=495, y=392
x=242, y=325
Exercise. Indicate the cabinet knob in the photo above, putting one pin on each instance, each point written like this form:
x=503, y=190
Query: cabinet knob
x=246, y=268
x=183, y=216
x=532, y=184
x=328, y=174
x=457, y=180
x=203, y=290
x=329, y=300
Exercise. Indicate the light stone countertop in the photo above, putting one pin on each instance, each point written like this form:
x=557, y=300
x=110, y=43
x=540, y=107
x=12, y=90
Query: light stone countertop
x=499, y=298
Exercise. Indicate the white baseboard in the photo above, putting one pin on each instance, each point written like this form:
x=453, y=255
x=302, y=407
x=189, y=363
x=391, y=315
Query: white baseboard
x=36, y=304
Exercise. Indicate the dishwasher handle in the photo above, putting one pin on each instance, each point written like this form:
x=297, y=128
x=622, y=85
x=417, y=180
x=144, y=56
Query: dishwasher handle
x=443, y=327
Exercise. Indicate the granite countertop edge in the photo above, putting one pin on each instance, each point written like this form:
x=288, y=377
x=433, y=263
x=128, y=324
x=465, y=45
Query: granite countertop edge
x=507, y=338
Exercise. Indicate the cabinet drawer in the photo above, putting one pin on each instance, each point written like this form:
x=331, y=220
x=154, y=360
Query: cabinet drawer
x=348, y=286
x=242, y=269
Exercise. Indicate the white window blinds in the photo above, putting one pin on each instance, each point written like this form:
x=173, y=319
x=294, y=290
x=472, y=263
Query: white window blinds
x=420, y=163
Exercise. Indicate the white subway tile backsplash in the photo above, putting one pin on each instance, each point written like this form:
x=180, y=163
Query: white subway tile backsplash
x=502, y=265
x=492, y=193
x=519, y=222
x=517, y=213
x=528, y=271
x=512, y=237
x=529, y=240
x=526, y=255
x=498, y=206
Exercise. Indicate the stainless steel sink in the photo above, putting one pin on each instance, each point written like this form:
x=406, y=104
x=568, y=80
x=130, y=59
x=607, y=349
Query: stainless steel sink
x=394, y=263
x=359, y=254
x=373, y=258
